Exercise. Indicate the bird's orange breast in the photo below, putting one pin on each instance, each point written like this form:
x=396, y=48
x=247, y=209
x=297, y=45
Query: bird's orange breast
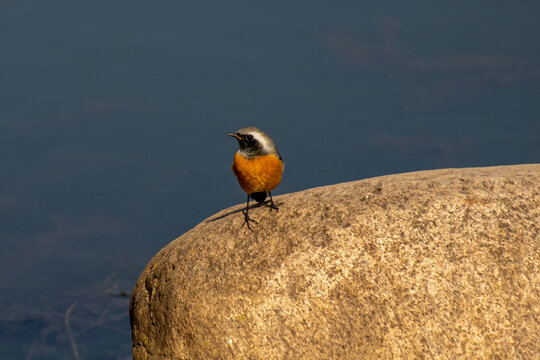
x=261, y=173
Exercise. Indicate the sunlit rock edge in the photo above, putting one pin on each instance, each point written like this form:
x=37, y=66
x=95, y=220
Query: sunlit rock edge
x=438, y=264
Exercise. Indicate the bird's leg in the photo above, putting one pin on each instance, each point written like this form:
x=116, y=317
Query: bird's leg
x=271, y=205
x=246, y=216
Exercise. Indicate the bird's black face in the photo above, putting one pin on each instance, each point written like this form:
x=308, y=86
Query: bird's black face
x=248, y=144
x=249, y=141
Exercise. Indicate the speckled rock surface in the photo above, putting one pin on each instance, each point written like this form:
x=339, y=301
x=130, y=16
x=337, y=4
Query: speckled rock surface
x=438, y=264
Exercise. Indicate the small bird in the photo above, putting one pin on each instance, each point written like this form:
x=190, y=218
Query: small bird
x=258, y=166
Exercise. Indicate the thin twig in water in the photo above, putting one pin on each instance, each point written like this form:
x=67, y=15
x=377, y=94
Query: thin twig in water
x=68, y=329
x=32, y=347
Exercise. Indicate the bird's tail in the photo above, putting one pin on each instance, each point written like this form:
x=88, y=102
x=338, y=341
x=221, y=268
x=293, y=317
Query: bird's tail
x=258, y=196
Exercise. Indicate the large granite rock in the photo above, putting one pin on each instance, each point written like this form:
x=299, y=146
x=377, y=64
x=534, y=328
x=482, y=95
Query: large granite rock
x=435, y=264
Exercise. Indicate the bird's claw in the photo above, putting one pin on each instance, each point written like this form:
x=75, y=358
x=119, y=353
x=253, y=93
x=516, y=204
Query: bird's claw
x=247, y=219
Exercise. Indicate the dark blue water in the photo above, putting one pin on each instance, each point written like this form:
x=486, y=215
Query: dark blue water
x=114, y=115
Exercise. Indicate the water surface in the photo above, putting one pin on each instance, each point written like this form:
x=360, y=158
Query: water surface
x=113, y=123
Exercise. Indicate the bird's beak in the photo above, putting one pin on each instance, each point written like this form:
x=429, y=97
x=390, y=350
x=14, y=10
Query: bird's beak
x=235, y=136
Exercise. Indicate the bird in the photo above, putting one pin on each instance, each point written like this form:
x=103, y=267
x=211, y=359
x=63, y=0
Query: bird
x=258, y=166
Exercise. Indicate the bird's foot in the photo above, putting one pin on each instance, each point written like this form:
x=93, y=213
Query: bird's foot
x=272, y=206
x=247, y=219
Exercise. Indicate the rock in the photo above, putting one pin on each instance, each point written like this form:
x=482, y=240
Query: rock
x=438, y=264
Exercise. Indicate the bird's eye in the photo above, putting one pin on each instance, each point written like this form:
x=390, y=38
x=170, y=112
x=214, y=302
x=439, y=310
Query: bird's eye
x=249, y=137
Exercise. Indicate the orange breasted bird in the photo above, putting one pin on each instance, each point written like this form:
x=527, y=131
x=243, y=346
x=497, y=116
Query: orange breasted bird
x=257, y=165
